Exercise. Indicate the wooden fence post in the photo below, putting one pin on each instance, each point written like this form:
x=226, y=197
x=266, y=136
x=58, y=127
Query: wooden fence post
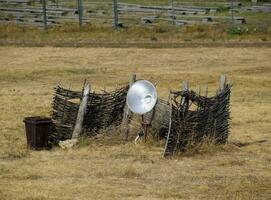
x=232, y=13
x=206, y=91
x=169, y=146
x=44, y=11
x=206, y=95
x=115, y=13
x=81, y=112
x=185, y=86
x=127, y=114
x=172, y=12
x=222, y=82
x=184, y=100
x=80, y=12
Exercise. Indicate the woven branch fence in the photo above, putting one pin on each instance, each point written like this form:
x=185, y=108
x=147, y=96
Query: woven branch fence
x=187, y=116
x=103, y=110
x=195, y=117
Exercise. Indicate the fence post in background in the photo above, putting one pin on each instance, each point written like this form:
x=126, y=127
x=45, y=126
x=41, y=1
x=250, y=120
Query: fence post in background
x=172, y=12
x=127, y=114
x=115, y=13
x=80, y=12
x=81, y=112
x=44, y=10
x=232, y=14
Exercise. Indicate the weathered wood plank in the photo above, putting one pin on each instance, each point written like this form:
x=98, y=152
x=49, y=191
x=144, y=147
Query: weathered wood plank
x=222, y=82
x=127, y=113
x=168, y=150
x=81, y=112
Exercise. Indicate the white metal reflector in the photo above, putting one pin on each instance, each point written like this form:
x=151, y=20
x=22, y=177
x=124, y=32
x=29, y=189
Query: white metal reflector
x=141, y=97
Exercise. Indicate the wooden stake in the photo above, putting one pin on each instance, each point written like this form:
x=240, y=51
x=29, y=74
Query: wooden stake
x=206, y=91
x=80, y=12
x=115, y=13
x=81, y=112
x=185, y=101
x=168, y=150
x=206, y=95
x=44, y=11
x=127, y=114
x=172, y=12
x=222, y=82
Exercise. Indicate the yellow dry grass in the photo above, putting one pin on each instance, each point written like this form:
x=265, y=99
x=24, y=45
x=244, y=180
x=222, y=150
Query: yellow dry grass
x=126, y=171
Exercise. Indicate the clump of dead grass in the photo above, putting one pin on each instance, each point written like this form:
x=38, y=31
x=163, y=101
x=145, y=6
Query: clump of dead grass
x=130, y=172
x=112, y=136
x=16, y=154
x=207, y=146
x=15, y=151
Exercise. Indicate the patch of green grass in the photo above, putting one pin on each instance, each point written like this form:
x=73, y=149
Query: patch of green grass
x=159, y=32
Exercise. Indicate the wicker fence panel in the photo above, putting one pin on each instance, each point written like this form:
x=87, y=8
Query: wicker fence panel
x=209, y=118
x=102, y=110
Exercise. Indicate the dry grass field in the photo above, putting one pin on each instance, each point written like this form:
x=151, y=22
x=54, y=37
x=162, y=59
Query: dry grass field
x=240, y=169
